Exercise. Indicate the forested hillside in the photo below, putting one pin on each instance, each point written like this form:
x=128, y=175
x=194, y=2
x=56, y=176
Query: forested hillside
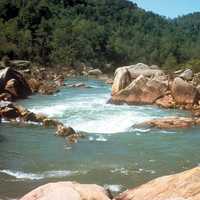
x=96, y=32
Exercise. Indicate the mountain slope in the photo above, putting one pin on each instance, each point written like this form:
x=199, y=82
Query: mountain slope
x=95, y=32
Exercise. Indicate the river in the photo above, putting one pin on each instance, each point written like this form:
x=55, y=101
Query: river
x=113, y=154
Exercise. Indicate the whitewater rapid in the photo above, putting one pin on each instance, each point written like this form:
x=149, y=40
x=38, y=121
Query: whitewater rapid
x=87, y=109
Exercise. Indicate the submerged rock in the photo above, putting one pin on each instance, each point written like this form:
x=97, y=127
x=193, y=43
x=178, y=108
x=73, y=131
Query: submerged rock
x=65, y=131
x=77, y=85
x=67, y=191
x=168, y=123
x=182, y=186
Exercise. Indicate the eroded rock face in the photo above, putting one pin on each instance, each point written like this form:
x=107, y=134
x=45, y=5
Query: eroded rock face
x=67, y=191
x=141, y=91
x=182, y=186
x=183, y=92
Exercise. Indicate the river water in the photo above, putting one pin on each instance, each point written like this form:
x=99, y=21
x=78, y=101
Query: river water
x=113, y=154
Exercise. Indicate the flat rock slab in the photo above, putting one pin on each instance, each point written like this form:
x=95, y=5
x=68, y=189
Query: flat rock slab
x=182, y=186
x=169, y=123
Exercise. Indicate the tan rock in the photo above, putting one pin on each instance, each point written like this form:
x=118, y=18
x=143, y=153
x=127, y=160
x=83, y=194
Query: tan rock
x=182, y=186
x=12, y=87
x=47, y=122
x=183, y=92
x=121, y=81
x=48, y=89
x=168, y=123
x=166, y=102
x=34, y=84
x=65, y=131
x=95, y=72
x=67, y=191
x=142, y=69
x=141, y=91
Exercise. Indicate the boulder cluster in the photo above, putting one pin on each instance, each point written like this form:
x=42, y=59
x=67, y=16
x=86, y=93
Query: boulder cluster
x=182, y=186
x=15, y=113
x=142, y=84
x=14, y=85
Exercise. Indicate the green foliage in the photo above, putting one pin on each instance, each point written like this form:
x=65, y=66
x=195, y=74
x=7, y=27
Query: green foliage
x=96, y=32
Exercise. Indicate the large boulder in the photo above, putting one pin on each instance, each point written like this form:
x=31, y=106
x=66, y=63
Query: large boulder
x=67, y=191
x=14, y=83
x=121, y=81
x=182, y=186
x=187, y=75
x=183, y=92
x=142, y=69
x=141, y=91
x=95, y=72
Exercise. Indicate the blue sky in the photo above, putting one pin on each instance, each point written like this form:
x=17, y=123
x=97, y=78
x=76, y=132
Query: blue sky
x=170, y=8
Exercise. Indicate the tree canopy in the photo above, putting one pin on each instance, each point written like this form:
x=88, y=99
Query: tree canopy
x=96, y=33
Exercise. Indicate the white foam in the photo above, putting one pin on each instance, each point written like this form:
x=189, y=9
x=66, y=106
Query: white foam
x=90, y=113
x=101, y=139
x=38, y=176
x=114, y=188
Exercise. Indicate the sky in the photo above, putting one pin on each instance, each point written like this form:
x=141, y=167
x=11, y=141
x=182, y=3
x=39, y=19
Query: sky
x=170, y=8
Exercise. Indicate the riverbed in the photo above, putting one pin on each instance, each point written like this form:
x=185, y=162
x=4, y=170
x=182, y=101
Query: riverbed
x=113, y=154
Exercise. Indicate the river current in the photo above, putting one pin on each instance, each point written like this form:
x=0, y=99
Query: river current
x=113, y=154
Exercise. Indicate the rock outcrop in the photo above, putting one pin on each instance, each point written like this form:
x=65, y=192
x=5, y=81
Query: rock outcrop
x=182, y=186
x=183, y=92
x=13, y=112
x=67, y=191
x=125, y=75
x=180, y=90
x=141, y=91
x=14, y=83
